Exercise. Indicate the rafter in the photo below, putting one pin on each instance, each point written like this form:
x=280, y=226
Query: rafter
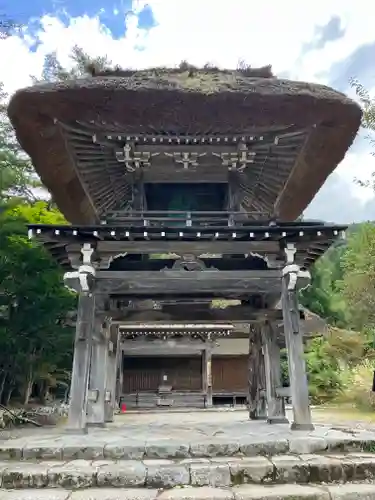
x=93, y=148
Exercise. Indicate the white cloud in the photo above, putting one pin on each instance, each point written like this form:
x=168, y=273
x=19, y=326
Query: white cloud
x=358, y=166
x=209, y=31
x=200, y=32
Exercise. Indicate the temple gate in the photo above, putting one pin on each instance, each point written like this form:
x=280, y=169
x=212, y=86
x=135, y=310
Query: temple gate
x=182, y=189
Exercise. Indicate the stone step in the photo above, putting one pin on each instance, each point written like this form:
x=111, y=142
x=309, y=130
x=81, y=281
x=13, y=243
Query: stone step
x=150, y=400
x=104, y=446
x=165, y=474
x=244, y=492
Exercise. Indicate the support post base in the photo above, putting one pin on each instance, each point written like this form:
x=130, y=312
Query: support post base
x=208, y=402
x=302, y=427
x=277, y=420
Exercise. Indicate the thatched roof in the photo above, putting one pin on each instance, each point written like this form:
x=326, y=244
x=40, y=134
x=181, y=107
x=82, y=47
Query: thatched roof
x=50, y=119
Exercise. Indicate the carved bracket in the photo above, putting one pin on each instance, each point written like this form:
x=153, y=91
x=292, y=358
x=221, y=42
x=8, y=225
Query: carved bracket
x=296, y=275
x=134, y=160
x=290, y=251
x=238, y=160
x=189, y=262
x=82, y=280
x=292, y=270
x=186, y=159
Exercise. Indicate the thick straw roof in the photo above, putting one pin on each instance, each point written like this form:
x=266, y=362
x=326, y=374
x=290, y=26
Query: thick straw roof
x=186, y=101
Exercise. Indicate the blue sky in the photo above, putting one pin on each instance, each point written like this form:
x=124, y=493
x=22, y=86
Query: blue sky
x=326, y=41
x=110, y=14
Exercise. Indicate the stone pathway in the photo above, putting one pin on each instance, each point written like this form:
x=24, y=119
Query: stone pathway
x=165, y=436
x=243, y=492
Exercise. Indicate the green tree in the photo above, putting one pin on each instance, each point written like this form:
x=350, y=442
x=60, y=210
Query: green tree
x=358, y=283
x=82, y=64
x=368, y=105
x=323, y=371
x=35, y=341
x=17, y=176
x=324, y=296
x=368, y=122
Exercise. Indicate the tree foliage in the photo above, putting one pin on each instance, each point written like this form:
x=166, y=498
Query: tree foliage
x=17, y=176
x=324, y=296
x=368, y=105
x=358, y=282
x=342, y=292
x=368, y=123
x=81, y=65
x=34, y=337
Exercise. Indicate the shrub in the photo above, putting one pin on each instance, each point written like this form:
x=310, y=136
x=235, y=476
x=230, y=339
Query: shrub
x=357, y=386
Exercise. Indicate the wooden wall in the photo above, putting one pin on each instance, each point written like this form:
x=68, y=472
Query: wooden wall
x=144, y=374
x=229, y=373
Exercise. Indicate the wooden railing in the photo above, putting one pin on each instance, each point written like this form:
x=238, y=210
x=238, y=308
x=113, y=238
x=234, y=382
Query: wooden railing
x=185, y=218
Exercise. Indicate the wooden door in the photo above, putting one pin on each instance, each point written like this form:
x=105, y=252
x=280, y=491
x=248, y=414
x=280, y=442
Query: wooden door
x=229, y=373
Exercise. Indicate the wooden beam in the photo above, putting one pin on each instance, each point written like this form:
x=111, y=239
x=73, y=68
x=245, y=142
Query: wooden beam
x=231, y=314
x=170, y=274
x=161, y=347
x=195, y=282
x=182, y=247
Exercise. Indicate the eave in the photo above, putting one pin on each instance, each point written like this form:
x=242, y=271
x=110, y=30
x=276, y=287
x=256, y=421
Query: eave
x=149, y=104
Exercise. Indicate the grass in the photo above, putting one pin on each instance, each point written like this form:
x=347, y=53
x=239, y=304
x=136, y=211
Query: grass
x=343, y=412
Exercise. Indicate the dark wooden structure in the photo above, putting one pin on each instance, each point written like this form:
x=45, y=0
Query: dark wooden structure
x=176, y=355
x=182, y=187
x=181, y=352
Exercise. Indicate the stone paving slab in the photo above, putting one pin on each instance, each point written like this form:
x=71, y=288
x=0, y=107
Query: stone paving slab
x=115, y=447
x=170, y=436
x=166, y=474
x=170, y=426
x=245, y=492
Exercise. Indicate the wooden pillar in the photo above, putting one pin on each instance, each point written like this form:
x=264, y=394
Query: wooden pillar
x=254, y=371
x=113, y=353
x=120, y=373
x=98, y=376
x=207, y=374
x=272, y=361
x=204, y=373
x=109, y=404
x=81, y=363
x=261, y=400
x=294, y=342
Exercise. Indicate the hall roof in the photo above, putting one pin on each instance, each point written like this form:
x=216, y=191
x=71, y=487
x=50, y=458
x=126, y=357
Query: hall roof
x=75, y=132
